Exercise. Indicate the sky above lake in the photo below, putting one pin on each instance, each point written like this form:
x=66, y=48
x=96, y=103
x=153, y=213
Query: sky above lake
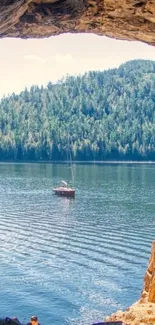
x=37, y=61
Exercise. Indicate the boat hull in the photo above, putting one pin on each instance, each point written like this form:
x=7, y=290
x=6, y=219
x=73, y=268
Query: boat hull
x=67, y=192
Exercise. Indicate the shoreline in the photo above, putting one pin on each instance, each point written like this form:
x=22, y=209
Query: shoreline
x=81, y=162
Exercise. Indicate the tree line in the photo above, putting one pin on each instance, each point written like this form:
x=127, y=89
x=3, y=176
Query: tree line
x=97, y=116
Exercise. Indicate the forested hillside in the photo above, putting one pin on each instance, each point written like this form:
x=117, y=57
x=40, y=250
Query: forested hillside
x=100, y=115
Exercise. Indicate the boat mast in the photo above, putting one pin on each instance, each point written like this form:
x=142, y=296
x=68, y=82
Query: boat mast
x=72, y=169
x=70, y=156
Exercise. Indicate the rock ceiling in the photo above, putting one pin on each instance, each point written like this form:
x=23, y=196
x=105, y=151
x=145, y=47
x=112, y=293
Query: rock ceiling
x=121, y=19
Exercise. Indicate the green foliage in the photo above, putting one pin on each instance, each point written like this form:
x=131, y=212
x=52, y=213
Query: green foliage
x=106, y=115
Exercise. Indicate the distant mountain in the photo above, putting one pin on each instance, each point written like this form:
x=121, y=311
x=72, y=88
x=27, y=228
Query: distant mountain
x=106, y=115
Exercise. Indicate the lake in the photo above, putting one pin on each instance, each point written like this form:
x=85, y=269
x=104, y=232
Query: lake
x=74, y=261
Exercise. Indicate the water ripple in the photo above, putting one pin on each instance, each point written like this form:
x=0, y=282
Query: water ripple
x=73, y=261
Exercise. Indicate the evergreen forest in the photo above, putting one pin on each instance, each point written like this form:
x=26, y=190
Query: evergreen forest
x=107, y=115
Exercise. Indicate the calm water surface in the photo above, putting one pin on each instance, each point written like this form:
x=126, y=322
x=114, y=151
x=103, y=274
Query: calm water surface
x=73, y=261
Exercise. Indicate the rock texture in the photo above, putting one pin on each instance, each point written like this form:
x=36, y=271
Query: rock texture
x=148, y=294
x=143, y=311
x=122, y=19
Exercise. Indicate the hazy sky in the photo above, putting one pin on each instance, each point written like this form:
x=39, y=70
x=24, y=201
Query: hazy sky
x=27, y=62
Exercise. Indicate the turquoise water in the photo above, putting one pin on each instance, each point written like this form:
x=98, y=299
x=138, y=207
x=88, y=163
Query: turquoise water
x=74, y=261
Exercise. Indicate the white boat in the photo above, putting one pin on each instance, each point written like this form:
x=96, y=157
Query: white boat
x=64, y=189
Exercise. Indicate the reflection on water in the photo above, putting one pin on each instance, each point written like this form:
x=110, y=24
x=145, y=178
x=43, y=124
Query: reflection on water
x=74, y=261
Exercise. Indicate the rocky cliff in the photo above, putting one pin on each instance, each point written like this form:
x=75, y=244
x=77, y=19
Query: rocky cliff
x=143, y=311
x=122, y=19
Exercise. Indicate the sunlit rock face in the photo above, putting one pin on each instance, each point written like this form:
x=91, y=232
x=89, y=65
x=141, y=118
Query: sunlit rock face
x=143, y=311
x=122, y=19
